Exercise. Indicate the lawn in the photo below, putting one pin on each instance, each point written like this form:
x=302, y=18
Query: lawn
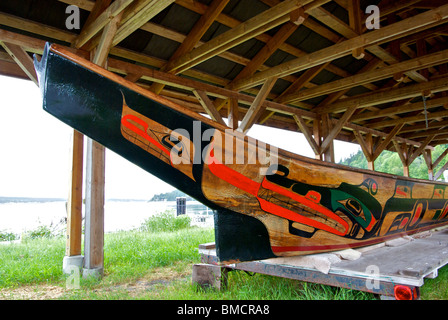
x=155, y=263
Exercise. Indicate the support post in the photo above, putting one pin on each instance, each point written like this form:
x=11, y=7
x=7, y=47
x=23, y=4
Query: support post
x=95, y=175
x=73, y=255
x=94, y=222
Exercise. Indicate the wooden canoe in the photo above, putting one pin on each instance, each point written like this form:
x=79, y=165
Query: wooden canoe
x=266, y=204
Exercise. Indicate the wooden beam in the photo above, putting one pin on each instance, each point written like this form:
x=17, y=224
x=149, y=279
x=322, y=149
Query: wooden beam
x=337, y=128
x=233, y=114
x=21, y=57
x=441, y=171
x=386, y=95
x=382, y=146
x=208, y=106
x=432, y=115
x=256, y=107
x=215, y=91
x=367, y=148
x=420, y=149
x=95, y=26
x=366, y=77
x=36, y=28
x=11, y=69
x=246, y=30
x=355, y=15
x=339, y=50
x=308, y=136
x=427, y=155
x=102, y=51
x=440, y=158
x=137, y=14
x=271, y=46
x=416, y=106
x=194, y=36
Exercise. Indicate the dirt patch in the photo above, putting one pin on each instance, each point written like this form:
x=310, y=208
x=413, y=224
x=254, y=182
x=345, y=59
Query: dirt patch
x=155, y=280
x=36, y=292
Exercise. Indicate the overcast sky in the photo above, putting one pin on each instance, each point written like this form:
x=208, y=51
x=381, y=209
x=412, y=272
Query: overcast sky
x=35, y=150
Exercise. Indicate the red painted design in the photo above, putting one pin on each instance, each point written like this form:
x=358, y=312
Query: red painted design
x=248, y=185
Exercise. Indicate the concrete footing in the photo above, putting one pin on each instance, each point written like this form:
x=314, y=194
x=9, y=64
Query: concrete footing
x=69, y=262
x=94, y=272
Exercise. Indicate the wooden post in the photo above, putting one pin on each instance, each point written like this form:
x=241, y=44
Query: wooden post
x=94, y=222
x=73, y=255
x=233, y=114
x=74, y=205
x=95, y=176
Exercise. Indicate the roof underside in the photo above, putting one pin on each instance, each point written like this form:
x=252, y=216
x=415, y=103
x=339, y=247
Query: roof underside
x=295, y=65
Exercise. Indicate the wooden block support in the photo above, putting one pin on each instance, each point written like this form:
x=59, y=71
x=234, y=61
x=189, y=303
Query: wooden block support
x=210, y=276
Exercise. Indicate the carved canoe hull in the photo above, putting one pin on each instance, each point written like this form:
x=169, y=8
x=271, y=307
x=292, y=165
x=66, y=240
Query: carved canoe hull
x=267, y=202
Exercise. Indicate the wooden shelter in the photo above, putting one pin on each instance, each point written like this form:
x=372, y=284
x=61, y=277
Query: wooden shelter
x=372, y=72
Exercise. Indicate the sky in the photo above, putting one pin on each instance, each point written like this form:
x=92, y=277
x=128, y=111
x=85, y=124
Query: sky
x=35, y=151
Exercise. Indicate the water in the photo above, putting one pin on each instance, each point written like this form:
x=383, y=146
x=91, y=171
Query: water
x=19, y=217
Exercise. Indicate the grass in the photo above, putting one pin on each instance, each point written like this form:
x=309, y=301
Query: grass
x=153, y=265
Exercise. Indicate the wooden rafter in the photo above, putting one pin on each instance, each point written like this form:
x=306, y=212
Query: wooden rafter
x=426, y=19
x=21, y=57
x=208, y=106
x=246, y=30
x=192, y=39
x=256, y=107
x=386, y=95
x=92, y=27
x=366, y=77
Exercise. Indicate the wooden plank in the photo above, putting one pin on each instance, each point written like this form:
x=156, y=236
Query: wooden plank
x=248, y=29
x=257, y=106
x=339, y=50
x=208, y=106
x=22, y=59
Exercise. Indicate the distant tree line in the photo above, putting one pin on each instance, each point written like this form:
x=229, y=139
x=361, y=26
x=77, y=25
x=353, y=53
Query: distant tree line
x=389, y=162
x=170, y=196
